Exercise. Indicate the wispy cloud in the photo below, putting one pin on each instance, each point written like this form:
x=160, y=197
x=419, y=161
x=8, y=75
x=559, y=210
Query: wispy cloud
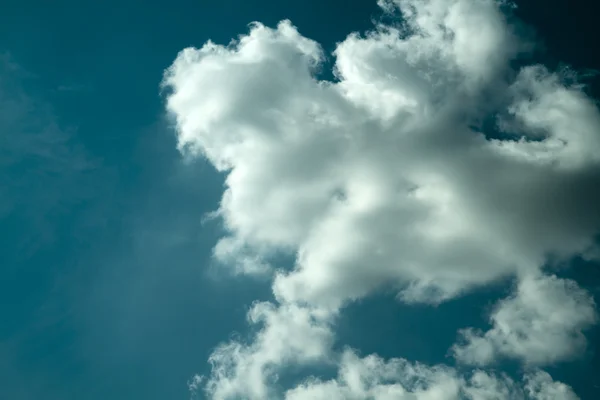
x=73, y=88
x=44, y=169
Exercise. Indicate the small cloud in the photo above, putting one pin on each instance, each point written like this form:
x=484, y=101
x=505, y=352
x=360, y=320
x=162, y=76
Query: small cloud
x=542, y=323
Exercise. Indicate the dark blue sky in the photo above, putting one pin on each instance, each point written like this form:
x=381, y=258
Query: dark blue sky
x=106, y=285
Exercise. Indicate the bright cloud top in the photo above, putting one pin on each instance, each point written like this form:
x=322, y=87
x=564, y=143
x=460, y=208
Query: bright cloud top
x=429, y=166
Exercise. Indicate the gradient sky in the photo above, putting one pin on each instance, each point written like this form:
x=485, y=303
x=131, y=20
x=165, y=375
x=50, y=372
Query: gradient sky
x=107, y=287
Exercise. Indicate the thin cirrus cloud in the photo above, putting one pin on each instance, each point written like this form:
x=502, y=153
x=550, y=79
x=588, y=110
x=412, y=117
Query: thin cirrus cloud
x=44, y=170
x=391, y=177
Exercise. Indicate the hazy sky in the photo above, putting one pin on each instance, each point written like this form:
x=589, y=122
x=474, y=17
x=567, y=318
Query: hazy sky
x=344, y=200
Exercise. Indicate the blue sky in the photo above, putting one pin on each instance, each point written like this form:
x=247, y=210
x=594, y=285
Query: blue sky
x=107, y=284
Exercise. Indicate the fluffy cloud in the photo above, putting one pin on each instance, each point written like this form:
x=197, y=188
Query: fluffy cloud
x=428, y=166
x=376, y=379
x=385, y=168
x=289, y=335
x=541, y=323
x=372, y=377
x=540, y=386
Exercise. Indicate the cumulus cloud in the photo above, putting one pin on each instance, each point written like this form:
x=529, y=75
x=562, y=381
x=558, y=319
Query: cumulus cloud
x=376, y=379
x=429, y=166
x=288, y=335
x=542, y=323
x=540, y=386
x=372, y=377
x=330, y=171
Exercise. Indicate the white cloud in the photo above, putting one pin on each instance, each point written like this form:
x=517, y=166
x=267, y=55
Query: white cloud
x=542, y=323
x=386, y=177
x=540, y=386
x=372, y=378
x=484, y=386
x=333, y=173
x=288, y=334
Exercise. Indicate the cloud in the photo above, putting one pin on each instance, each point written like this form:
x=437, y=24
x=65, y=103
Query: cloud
x=289, y=335
x=426, y=200
x=45, y=172
x=542, y=323
x=540, y=386
x=376, y=379
x=55, y=198
x=372, y=377
x=429, y=166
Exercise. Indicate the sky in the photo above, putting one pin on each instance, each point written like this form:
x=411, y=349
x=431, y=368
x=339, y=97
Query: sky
x=296, y=201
